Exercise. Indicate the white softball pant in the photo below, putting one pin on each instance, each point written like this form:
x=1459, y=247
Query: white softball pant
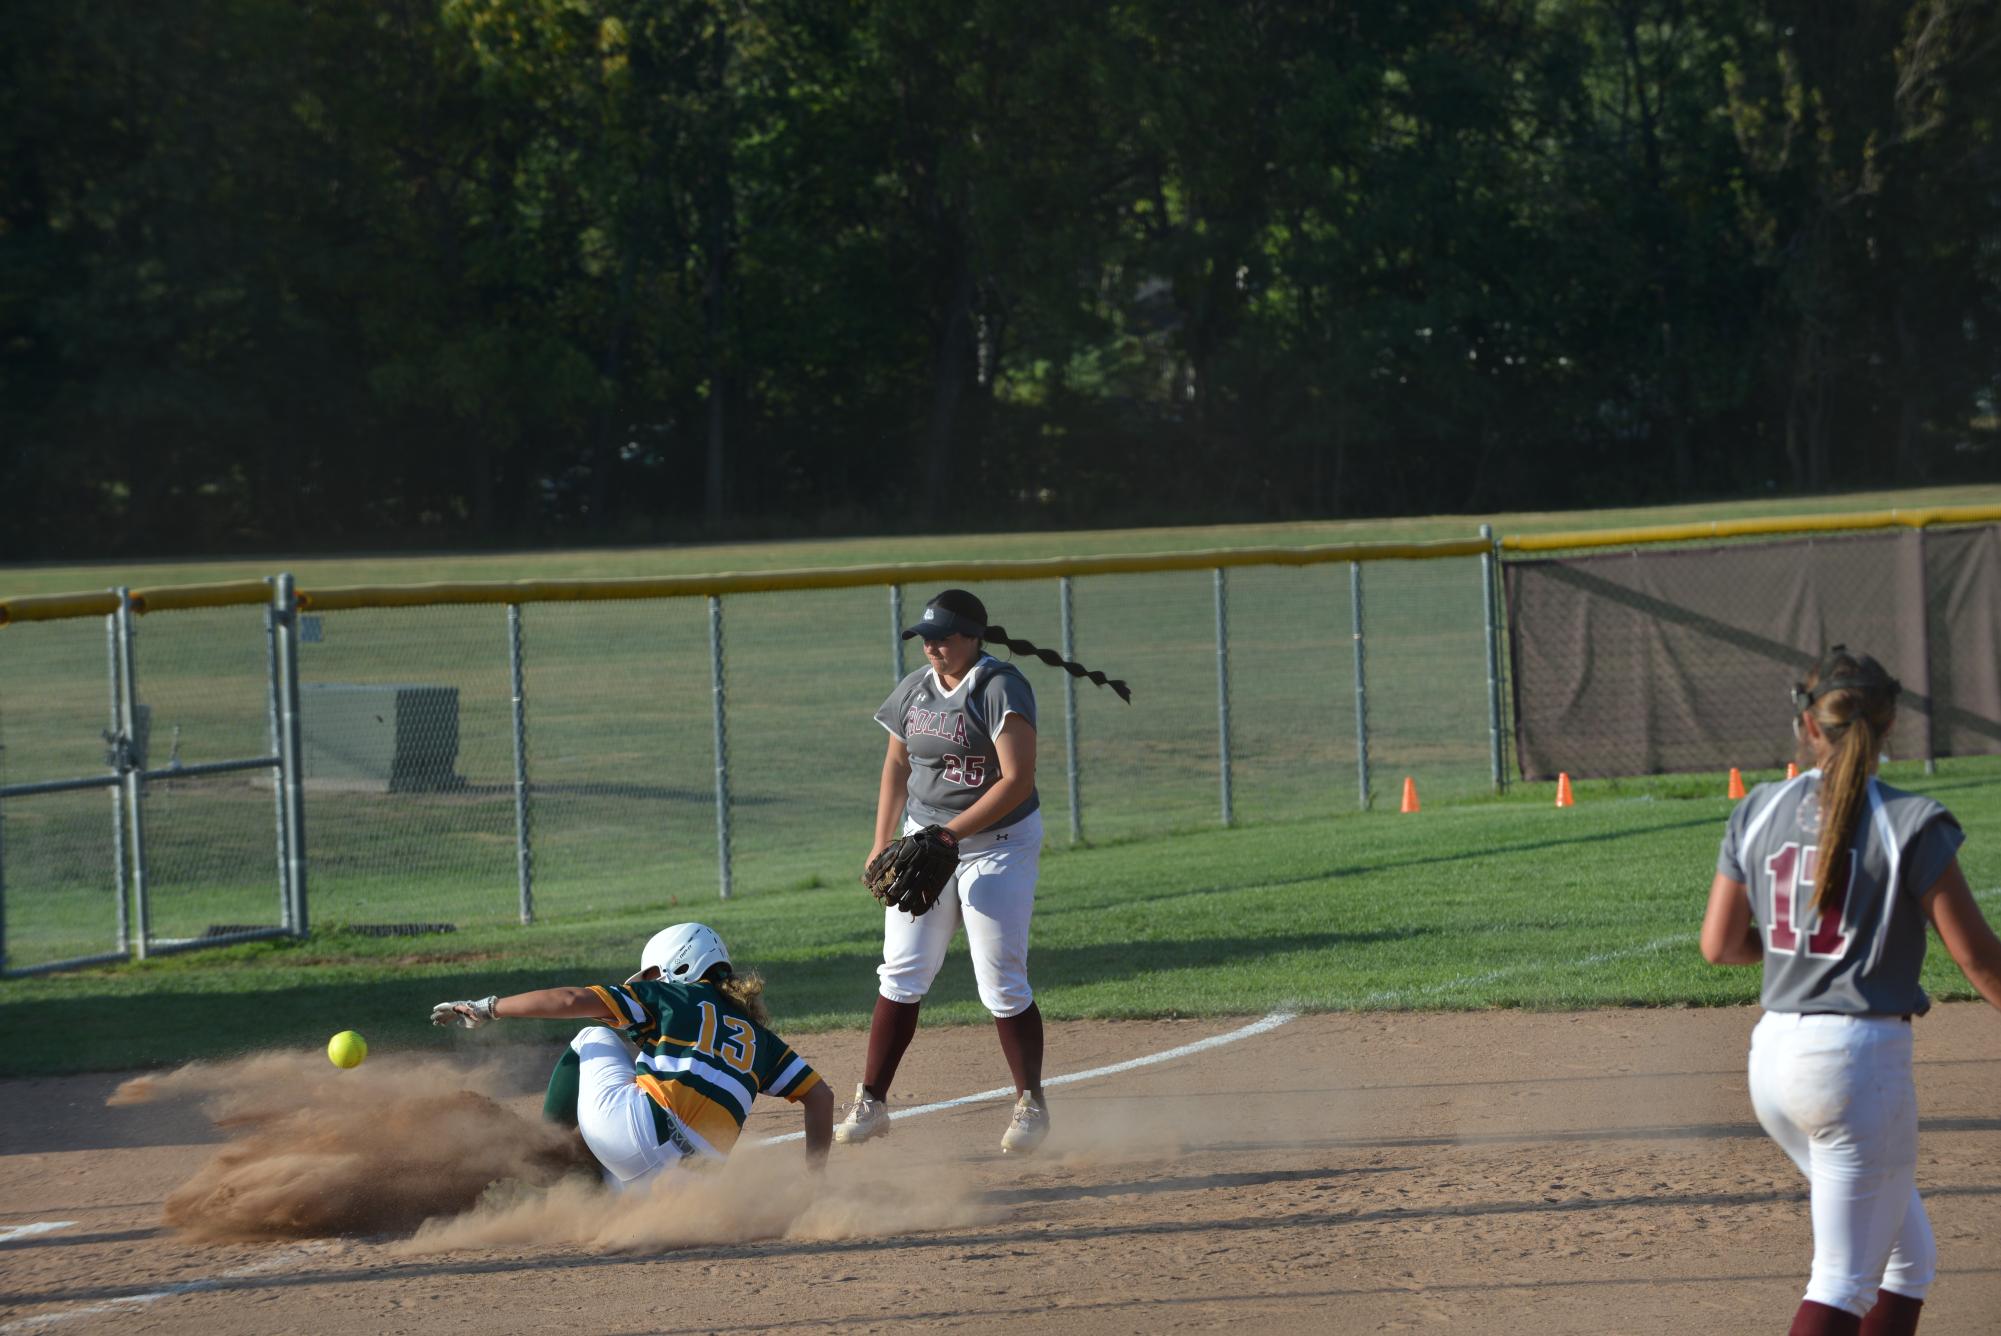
x=614, y=1115
x=1836, y=1093
x=993, y=892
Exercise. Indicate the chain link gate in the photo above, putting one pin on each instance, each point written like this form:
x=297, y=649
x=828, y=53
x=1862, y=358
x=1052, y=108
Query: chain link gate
x=188, y=833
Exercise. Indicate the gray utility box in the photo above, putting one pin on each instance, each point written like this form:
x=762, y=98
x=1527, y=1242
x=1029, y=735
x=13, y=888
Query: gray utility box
x=380, y=739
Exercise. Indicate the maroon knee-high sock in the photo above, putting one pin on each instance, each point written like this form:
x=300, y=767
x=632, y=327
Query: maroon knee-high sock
x=890, y=1031
x=1021, y=1044
x=1818, y=1319
x=1894, y=1315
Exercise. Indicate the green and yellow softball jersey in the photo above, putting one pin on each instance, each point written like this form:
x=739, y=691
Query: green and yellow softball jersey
x=701, y=1059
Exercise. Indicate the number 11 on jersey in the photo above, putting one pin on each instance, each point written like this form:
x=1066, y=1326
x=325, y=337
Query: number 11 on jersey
x=1827, y=934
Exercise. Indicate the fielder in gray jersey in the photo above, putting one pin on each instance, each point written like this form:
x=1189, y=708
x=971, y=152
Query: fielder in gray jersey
x=950, y=738
x=961, y=756
x=1829, y=880
x=1861, y=956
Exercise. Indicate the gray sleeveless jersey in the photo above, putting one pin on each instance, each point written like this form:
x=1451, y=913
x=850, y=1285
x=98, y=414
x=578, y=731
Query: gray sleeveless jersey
x=1863, y=955
x=950, y=737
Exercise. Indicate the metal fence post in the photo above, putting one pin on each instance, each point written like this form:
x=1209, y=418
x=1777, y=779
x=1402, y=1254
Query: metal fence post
x=1925, y=652
x=1223, y=689
x=1488, y=571
x=896, y=632
x=524, y=858
x=1066, y=602
x=276, y=729
x=291, y=750
x=129, y=766
x=115, y=677
x=3, y=889
x=722, y=746
x=1361, y=685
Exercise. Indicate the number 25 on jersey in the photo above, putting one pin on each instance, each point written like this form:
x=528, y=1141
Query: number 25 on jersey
x=1825, y=934
x=968, y=770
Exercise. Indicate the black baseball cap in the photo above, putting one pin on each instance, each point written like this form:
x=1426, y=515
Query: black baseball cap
x=953, y=612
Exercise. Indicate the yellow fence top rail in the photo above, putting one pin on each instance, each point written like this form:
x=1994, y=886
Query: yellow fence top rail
x=850, y=577
x=55, y=607
x=1772, y=527
x=103, y=602
x=52, y=607
x=223, y=594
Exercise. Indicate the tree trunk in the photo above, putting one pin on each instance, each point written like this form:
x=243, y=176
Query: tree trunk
x=1680, y=449
x=603, y=450
x=948, y=383
x=719, y=207
x=1806, y=412
x=715, y=296
x=481, y=461
x=1911, y=462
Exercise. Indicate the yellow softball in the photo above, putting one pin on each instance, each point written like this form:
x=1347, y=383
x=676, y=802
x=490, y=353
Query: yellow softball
x=346, y=1049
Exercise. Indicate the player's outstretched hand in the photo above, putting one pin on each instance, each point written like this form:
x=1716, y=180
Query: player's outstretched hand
x=469, y=1015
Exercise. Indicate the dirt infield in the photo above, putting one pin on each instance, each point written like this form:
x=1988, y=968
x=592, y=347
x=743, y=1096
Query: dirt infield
x=1497, y=1172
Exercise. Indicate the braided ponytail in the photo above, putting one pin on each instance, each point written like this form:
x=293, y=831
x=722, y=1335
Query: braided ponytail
x=1055, y=660
x=959, y=612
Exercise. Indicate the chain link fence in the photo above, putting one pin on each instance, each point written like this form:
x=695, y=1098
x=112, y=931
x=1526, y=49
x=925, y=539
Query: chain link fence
x=62, y=831
x=240, y=761
x=485, y=762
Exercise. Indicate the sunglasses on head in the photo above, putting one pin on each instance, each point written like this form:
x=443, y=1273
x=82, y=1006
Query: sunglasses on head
x=1865, y=675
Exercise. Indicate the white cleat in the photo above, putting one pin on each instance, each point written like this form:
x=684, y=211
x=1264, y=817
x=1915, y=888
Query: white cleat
x=863, y=1120
x=1027, y=1128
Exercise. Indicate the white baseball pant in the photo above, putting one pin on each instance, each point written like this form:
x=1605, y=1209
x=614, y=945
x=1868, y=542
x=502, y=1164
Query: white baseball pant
x=614, y=1115
x=1836, y=1093
x=993, y=892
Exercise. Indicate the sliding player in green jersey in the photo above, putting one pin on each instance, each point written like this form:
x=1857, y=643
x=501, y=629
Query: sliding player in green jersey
x=704, y=1054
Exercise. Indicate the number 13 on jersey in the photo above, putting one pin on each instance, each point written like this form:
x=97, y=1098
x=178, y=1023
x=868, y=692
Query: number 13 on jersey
x=738, y=1048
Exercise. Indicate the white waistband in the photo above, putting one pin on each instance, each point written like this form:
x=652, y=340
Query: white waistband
x=1803, y=1019
x=1026, y=832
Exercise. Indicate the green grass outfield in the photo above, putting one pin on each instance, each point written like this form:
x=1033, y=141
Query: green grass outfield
x=1494, y=903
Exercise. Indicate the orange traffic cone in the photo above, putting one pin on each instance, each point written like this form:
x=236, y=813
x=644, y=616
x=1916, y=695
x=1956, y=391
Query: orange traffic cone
x=1563, y=796
x=1736, y=783
x=1792, y=770
x=1409, y=794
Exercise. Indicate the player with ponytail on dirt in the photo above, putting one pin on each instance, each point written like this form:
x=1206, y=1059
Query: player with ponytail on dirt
x=960, y=772
x=1828, y=880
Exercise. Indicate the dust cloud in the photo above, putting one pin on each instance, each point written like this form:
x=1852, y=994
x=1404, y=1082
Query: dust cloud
x=405, y=1144
x=316, y=1151
x=1121, y=1131
x=760, y=1192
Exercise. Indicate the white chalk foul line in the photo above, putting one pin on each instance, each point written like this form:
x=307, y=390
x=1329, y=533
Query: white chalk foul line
x=13, y=1232
x=1251, y=1031
x=126, y=1303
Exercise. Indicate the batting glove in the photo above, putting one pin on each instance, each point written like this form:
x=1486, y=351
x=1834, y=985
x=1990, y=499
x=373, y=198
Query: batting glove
x=468, y=1015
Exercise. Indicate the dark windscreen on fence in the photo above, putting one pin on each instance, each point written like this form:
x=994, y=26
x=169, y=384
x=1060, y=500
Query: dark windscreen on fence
x=1647, y=661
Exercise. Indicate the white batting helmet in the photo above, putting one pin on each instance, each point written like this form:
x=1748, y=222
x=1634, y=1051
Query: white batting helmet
x=684, y=952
